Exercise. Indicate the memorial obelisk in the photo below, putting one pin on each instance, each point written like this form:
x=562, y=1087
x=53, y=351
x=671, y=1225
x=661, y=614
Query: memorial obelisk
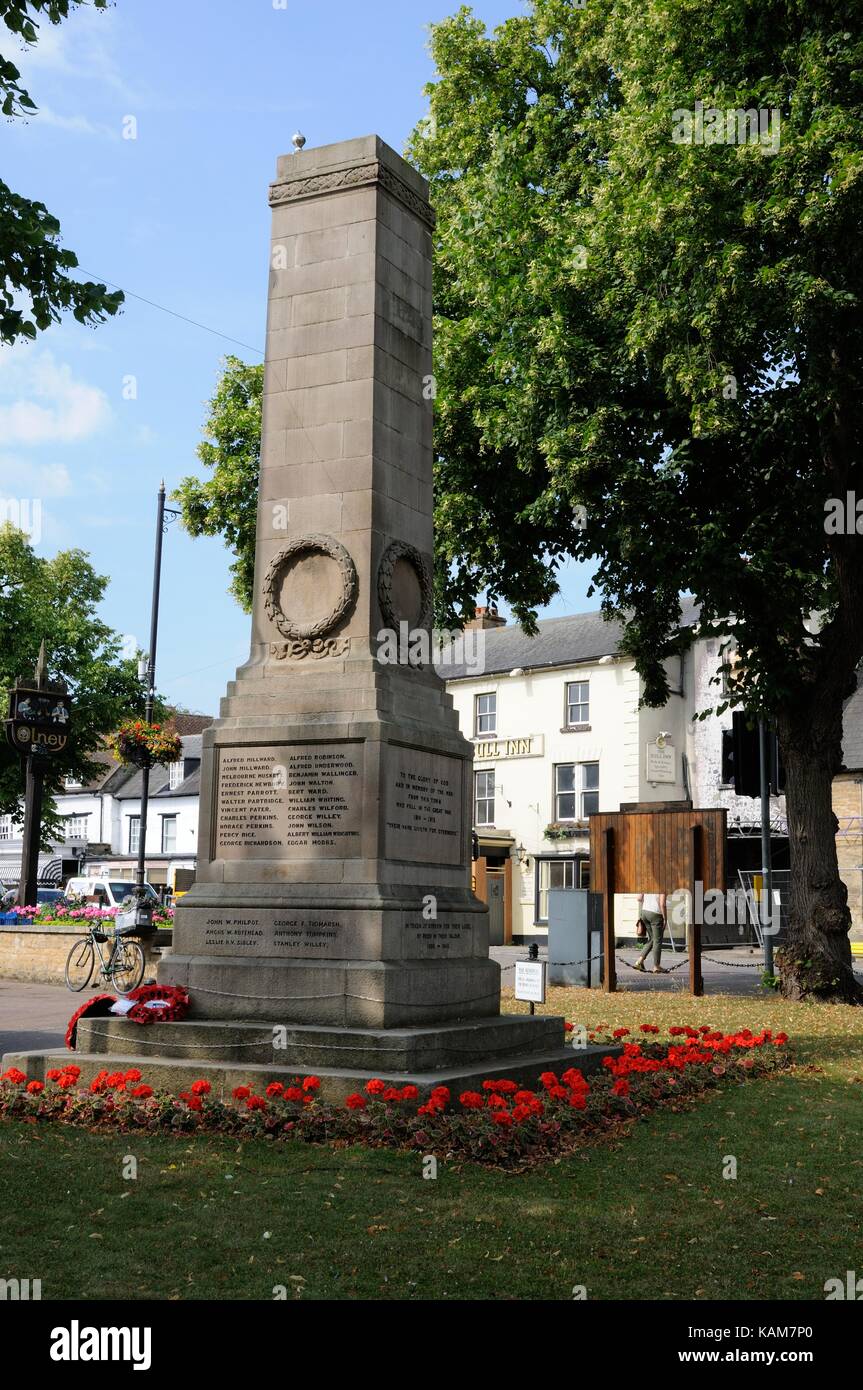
x=332, y=927
x=333, y=880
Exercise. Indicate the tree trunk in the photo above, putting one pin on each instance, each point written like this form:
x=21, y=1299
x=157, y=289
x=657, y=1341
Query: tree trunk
x=815, y=958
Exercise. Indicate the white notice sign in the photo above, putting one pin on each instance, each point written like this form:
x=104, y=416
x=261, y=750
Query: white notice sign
x=530, y=980
x=661, y=766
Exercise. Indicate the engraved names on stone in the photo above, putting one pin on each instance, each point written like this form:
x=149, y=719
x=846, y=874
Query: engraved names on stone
x=300, y=800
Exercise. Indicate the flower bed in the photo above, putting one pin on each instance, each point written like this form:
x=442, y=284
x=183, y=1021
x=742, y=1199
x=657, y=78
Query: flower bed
x=66, y=914
x=502, y=1124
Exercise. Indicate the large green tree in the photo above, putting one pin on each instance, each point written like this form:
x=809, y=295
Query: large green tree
x=35, y=289
x=669, y=334
x=57, y=600
x=663, y=333
x=226, y=503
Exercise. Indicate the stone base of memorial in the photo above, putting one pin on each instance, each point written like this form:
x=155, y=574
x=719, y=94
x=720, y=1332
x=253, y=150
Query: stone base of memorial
x=460, y=1055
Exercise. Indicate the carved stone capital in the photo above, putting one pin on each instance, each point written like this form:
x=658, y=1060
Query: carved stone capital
x=359, y=176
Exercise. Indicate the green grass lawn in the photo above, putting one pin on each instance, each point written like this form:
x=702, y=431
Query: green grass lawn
x=646, y=1216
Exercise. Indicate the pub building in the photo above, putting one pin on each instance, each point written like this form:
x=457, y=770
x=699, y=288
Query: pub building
x=558, y=734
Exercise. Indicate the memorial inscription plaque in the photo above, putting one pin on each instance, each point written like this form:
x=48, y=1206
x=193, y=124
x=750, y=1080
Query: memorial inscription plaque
x=423, y=807
x=298, y=800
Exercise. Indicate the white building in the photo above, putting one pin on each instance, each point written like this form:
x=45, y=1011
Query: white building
x=103, y=821
x=558, y=733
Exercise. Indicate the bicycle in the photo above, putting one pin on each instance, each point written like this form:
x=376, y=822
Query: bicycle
x=124, y=967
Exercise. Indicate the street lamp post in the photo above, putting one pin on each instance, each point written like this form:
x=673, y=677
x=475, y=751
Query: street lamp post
x=149, y=675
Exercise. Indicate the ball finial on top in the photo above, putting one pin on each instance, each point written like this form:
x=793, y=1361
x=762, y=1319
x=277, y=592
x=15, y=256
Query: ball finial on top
x=298, y=140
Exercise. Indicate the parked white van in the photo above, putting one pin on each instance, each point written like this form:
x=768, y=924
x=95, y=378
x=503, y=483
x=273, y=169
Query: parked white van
x=107, y=892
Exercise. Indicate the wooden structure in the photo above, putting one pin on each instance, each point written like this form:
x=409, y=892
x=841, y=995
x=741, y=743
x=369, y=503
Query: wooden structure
x=656, y=851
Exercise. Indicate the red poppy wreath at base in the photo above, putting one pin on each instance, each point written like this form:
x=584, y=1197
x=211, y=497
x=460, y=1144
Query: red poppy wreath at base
x=158, y=1004
x=97, y=1007
x=150, y=1004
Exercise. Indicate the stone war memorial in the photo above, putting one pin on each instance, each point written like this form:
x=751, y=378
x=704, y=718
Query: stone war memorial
x=332, y=928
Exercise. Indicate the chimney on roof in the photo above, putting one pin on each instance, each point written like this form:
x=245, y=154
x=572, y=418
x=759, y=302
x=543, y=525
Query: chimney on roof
x=486, y=618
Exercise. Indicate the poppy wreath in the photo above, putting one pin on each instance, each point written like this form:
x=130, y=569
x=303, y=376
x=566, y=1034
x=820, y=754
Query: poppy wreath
x=173, y=1003
x=97, y=1007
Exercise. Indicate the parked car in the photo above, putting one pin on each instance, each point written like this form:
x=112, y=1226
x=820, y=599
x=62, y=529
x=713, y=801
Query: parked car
x=107, y=892
x=43, y=895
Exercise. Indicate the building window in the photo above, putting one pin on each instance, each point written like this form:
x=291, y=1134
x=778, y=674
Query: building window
x=484, y=798
x=134, y=834
x=558, y=873
x=169, y=834
x=5, y=827
x=76, y=827
x=175, y=774
x=576, y=790
x=577, y=703
x=70, y=783
x=484, y=714
x=552, y=873
x=727, y=773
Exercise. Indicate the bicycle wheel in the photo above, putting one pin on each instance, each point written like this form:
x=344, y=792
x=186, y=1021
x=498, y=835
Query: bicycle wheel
x=79, y=965
x=127, y=968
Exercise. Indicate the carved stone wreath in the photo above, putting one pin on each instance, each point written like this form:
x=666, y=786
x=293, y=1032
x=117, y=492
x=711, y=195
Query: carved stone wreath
x=400, y=550
x=296, y=628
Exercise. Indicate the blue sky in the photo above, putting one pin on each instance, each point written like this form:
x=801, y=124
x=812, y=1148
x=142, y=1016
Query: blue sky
x=179, y=216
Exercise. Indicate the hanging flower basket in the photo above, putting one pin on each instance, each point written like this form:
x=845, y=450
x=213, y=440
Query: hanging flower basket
x=143, y=744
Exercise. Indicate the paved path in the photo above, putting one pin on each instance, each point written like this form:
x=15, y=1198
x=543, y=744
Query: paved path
x=737, y=971
x=34, y=1016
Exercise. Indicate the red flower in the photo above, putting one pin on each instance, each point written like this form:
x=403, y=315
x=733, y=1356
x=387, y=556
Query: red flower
x=502, y=1087
x=502, y=1117
x=496, y=1102
x=65, y=1081
x=199, y=1088
x=53, y=1074
x=392, y=1094
x=275, y=1088
x=194, y=1102
x=134, y=1075
x=256, y=1103
x=409, y=1092
x=471, y=1100
x=356, y=1102
x=14, y=1075
x=294, y=1093
x=577, y=1100
x=621, y=1088
x=574, y=1078
x=375, y=1087
x=143, y=1092
x=620, y=1033
x=549, y=1080
x=441, y=1095
x=568, y=1027
x=311, y=1083
x=240, y=1092
x=34, y=1087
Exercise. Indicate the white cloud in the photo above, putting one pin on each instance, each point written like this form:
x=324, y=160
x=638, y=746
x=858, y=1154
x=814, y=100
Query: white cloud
x=41, y=402
x=75, y=125
x=20, y=477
